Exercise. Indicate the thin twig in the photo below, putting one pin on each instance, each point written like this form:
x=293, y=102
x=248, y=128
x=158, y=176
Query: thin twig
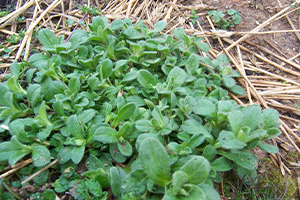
x=15, y=169
x=39, y=172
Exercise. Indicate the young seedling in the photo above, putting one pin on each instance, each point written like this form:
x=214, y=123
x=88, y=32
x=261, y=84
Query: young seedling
x=222, y=20
x=194, y=16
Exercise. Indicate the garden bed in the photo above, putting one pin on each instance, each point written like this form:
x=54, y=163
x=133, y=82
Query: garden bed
x=262, y=48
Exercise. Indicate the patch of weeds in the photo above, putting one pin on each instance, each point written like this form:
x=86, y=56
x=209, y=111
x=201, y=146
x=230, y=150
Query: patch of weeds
x=17, y=38
x=128, y=95
x=92, y=10
x=6, y=11
x=295, y=7
x=194, y=16
x=223, y=20
x=3, y=13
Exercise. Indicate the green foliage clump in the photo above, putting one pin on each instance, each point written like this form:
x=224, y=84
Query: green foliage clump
x=92, y=10
x=126, y=94
x=194, y=16
x=222, y=20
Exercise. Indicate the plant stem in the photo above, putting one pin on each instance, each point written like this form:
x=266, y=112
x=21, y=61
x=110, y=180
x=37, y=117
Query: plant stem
x=10, y=191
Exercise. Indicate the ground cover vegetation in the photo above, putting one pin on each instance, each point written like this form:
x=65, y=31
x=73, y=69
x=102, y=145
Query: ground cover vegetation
x=142, y=111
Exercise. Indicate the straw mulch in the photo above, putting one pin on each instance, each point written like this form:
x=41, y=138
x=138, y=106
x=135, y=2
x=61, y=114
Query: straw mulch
x=268, y=82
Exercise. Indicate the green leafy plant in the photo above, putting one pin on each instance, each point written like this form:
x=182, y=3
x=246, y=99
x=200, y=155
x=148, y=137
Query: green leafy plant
x=222, y=20
x=194, y=16
x=295, y=6
x=92, y=10
x=126, y=94
x=3, y=13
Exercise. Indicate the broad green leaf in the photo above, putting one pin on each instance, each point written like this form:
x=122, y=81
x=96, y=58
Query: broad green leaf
x=179, y=179
x=138, y=101
x=194, y=127
x=156, y=113
x=196, y=140
x=236, y=89
x=47, y=39
x=124, y=113
x=40, y=155
x=252, y=116
x=209, y=191
x=243, y=158
x=228, y=140
x=175, y=147
x=117, y=25
x=7, y=149
x=197, y=169
x=43, y=134
x=259, y=133
x=144, y=136
x=14, y=85
x=205, y=108
x=105, y=68
x=15, y=69
x=132, y=33
x=86, y=116
x=221, y=164
x=4, y=101
x=273, y=132
x=125, y=148
x=209, y=152
x=146, y=79
x=268, y=148
x=192, y=64
x=106, y=135
x=93, y=83
x=58, y=87
x=236, y=18
x=16, y=156
x=270, y=117
x=74, y=84
x=117, y=176
x=43, y=117
x=203, y=46
x=116, y=154
x=77, y=154
x=64, y=155
x=125, y=130
x=58, y=107
x=177, y=76
x=179, y=33
x=188, y=192
x=75, y=127
x=33, y=93
x=155, y=161
x=160, y=25
x=39, y=60
x=224, y=106
x=135, y=181
x=228, y=81
x=130, y=76
x=236, y=120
